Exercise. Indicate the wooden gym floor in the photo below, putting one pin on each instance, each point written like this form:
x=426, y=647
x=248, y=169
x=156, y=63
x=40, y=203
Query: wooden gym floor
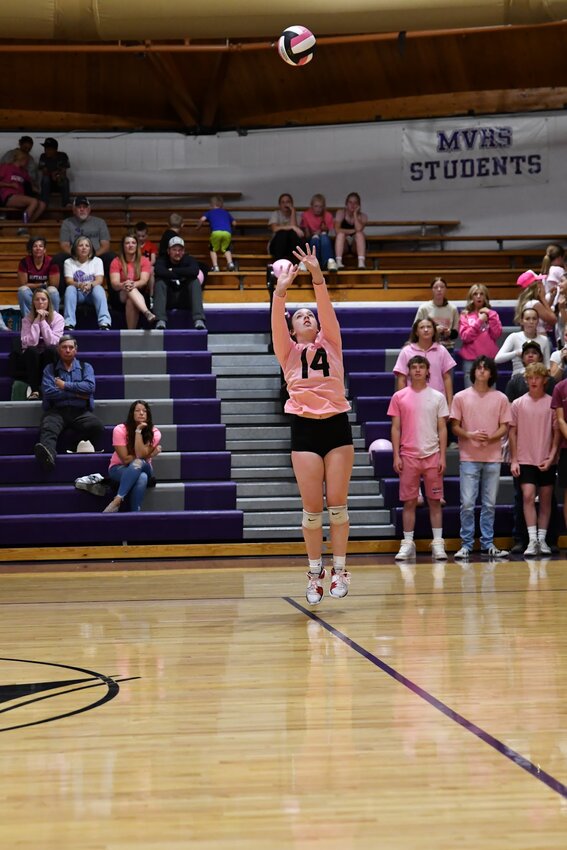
x=203, y=705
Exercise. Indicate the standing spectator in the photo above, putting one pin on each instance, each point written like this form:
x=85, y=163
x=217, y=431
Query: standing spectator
x=84, y=279
x=15, y=190
x=349, y=228
x=176, y=225
x=423, y=340
x=480, y=416
x=37, y=271
x=533, y=295
x=177, y=285
x=552, y=269
x=515, y=388
x=221, y=223
x=42, y=328
x=559, y=404
x=419, y=440
x=559, y=307
x=479, y=328
x=67, y=390
x=512, y=346
x=318, y=225
x=129, y=279
x=135, y=443
x=53, y=165
x=534, y=440
x=443, y=312
x=25, y=144
x=286, y=233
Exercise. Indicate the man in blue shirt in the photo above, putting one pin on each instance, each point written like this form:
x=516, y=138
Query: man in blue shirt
x=67, y=390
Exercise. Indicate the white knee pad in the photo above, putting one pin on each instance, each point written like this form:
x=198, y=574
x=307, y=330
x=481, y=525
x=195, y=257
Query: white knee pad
x=312, y=519
x=338, y=515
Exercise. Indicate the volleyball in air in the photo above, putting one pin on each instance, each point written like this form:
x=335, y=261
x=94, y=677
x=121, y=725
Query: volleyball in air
x=281, y=266
x=296, y=46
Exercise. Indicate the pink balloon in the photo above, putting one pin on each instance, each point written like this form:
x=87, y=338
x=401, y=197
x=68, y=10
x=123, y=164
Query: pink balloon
x=379, y=446
x=281, y=266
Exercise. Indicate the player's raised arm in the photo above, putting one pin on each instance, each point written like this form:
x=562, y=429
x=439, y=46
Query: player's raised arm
x=325, y=311
x=280, y=330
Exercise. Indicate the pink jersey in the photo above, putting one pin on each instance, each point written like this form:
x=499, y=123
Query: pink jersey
x=41, y=333
x=559, y=399
x=419, y=412
x=535, y=422
x=120, y=438
x=313, y=373
x=480, y=412
x=440, y=361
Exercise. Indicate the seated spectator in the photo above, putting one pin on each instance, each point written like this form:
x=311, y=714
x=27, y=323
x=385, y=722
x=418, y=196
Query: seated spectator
x=42, y=328
x=423, y=341
x=37, y=271
x=286, y=233
x=221, y=223
x=25, y=144
x=349, y=227
x=318, y=225
x=559, y=307
x=479, y=329
x=15, y=190
x=67, y=390
x=178, y=285
x=129, y=279
x=82, y=223
x=552, y=269
x=135, y=443
x=533, y=295
x=176, y=225
x=517, y=386
x=511, y=348
x=557, y=363
x=148, y=248
x=443, y=312
x=84, y=279
x=53, y=165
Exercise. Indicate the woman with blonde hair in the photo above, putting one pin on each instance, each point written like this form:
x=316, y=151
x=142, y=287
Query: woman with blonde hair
x=479, y=328
x=318, y=226
x=130, y=273
x=533, y=295
x=42, y=328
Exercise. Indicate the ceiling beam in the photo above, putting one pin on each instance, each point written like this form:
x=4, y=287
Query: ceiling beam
x=175, y=88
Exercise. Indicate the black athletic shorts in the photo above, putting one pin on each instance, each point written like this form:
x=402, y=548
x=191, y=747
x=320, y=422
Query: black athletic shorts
x=562, y=469
x=320, y=436
x=533, y=475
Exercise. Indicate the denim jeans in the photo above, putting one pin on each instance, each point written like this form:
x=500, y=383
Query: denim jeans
x=96, y=297
x=132, y=479
x=324, y=249
x=475, y=475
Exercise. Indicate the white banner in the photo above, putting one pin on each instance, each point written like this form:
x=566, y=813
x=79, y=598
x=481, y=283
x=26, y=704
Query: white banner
x=474, y=153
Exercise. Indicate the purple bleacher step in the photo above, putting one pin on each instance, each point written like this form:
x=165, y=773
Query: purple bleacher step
x=87, y=529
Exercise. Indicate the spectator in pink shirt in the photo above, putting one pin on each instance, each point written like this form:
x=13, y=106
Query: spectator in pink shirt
x=42, y=328
x=14, y=180
x=129, y=279
x=319, y=227
x=419, y=441
x=534, y=441
x=479, y=328
x=423, y=340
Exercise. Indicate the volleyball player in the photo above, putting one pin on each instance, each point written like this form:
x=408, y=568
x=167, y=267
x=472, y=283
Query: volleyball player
x=322, y=451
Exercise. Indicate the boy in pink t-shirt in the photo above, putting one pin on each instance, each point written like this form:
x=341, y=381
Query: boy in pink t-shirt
x=480, y=417
x=419, y=440
x=534, y=441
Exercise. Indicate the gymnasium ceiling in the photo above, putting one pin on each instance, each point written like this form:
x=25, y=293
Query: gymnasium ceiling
x=101, y=67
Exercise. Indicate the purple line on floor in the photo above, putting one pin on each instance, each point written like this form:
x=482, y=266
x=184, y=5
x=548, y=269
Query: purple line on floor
x=489, y=739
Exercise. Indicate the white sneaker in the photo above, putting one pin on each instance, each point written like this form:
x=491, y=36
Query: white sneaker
x=543, y=547
x=340, y=580
x=532, y=550
x=494, y=553
x=361, y=265
x=340, y=265
x=438, y=550
x=463, y=554
x=331, y=266
x=407, y=551
x=314, y=592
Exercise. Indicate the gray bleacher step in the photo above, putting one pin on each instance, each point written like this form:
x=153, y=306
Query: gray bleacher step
x=258, y=459
x=362, y=532
x=245, y=342
x=267, y=489
x=243, y=360
x=271, y=519
x=281, y=444
x=275, y=472
x=256, y=382
x=144, y=362
x=142, y=342
x=276, y=503
x=253, y=394
x=253, y=368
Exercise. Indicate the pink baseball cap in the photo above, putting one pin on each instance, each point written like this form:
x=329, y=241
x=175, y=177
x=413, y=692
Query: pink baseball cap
x=527, y=278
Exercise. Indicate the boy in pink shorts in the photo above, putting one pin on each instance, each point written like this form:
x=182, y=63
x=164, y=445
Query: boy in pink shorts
x=419, y=439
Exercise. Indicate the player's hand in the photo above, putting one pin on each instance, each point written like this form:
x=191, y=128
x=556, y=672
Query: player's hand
x=308, y=258
x=286, y=279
